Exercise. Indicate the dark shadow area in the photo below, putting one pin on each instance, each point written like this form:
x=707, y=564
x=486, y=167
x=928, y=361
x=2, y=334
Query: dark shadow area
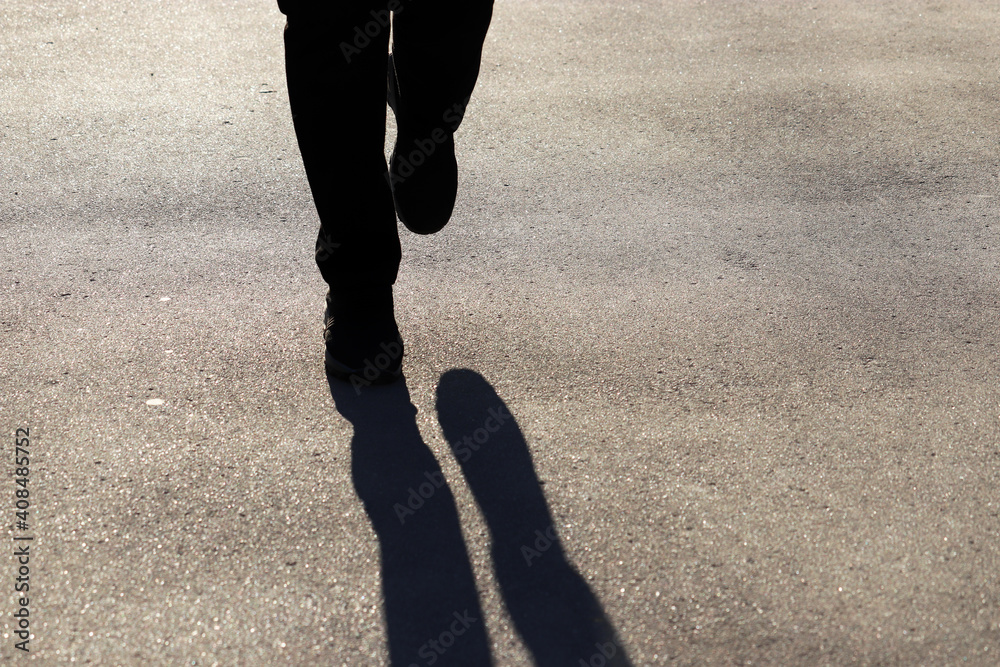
x=432, y=608
x=555, y=612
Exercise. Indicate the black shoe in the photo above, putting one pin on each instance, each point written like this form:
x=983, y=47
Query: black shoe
x=423, y=171
x=363, y=345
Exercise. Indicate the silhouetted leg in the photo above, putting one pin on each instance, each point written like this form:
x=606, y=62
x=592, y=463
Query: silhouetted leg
x=335, y=62
x=436, y=49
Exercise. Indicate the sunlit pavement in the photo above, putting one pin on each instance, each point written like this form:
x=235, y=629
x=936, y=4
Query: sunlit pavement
x=731, y=269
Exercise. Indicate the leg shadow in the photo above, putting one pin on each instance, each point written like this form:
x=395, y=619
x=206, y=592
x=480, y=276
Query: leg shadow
x=431, y=605
x=555, y=612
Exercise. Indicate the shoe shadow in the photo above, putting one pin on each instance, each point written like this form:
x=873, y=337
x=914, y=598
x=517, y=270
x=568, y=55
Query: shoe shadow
x=557, y=615
x=432, y=609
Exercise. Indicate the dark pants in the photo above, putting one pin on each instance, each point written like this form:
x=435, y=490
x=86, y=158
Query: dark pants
x=336, y=62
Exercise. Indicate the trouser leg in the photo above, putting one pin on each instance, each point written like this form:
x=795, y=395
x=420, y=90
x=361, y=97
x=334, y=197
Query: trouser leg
x=335, y=62
x=437, y=46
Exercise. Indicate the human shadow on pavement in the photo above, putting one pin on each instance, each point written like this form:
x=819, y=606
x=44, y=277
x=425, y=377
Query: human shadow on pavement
x=557, y=615
x=432, y=610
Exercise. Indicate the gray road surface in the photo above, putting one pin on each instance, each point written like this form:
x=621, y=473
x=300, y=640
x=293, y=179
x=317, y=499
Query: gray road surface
x=732, y=268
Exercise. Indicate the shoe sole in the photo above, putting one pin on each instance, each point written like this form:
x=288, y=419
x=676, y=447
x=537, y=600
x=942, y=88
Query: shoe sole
x=417, y=226
x=420, y=222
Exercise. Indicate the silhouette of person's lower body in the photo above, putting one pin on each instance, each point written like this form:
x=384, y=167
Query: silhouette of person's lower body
x=340, y=76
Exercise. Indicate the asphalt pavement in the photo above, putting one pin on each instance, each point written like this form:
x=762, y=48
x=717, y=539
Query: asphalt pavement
x=703, y=370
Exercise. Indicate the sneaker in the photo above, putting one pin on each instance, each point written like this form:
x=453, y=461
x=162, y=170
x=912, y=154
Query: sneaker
x=363, y=345
x=423, y=171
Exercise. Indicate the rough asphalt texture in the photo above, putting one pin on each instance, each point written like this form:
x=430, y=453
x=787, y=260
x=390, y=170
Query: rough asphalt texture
x=732, y=267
